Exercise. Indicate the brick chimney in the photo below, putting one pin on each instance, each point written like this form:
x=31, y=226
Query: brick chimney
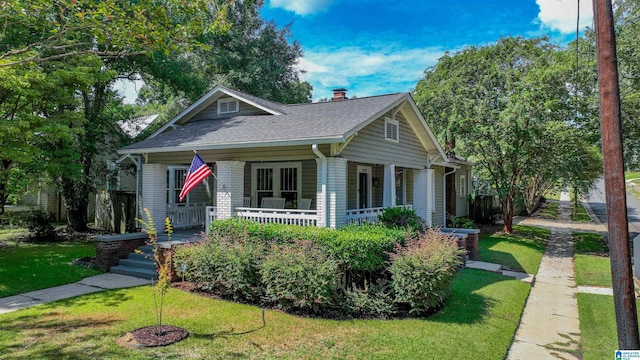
x=339, y=94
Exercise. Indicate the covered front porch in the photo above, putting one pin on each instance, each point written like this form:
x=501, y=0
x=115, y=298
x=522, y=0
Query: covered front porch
x=288, y=192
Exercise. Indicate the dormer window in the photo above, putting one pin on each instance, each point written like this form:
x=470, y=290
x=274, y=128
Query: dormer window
x=391, y=130
x=229, y=105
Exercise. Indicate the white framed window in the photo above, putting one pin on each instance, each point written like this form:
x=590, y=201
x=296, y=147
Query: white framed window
x=277, y=180
x=175, y=182
x=463, y=186
x=228, y=105
x=391, y=130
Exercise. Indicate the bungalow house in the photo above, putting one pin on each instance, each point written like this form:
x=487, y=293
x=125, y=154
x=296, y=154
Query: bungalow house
x=321, y=164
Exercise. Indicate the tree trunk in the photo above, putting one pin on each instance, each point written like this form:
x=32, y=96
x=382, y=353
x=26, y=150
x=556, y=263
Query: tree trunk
x=4, y=178
x=77, y=218
x=507, y=214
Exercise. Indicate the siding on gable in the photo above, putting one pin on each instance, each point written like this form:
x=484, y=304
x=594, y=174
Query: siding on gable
x=211, y=111
x=370, y=146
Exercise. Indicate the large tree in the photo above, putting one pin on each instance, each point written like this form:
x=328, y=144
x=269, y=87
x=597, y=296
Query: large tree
x=497, y=102
x=86, y=45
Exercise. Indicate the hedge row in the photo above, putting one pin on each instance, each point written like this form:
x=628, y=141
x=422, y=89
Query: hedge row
x=311, y=270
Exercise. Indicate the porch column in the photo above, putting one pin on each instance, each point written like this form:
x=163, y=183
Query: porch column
x=154, y=194
x=420, y=193
x=336, y=191
x=230, y=187
x=430, y=194
x=389, y=194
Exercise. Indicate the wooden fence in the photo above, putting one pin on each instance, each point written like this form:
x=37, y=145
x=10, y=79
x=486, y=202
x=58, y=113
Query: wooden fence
x=116, y=211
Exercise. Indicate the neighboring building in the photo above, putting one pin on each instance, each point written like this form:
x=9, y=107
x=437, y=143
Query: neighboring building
x=322, y=164
x=122, y=178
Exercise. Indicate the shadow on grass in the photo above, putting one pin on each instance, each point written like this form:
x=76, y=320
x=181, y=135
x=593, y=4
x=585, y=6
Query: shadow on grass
x=108, y=298
x=39, y=337
x=465, y=304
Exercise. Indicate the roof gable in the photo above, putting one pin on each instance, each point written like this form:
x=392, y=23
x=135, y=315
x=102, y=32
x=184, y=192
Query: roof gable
x=283, y=125
x=212, y=96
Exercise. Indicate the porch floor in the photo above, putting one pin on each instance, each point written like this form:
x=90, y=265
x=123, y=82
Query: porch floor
x=182, y=235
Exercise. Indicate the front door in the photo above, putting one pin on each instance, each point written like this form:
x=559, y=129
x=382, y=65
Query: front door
x=364, y=187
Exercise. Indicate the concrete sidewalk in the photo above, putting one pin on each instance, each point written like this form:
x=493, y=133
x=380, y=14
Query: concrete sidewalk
x=550, y=327
x=85, y=286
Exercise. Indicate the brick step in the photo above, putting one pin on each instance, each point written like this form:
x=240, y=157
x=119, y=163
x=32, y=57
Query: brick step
x=137, y=263
x=135, y=271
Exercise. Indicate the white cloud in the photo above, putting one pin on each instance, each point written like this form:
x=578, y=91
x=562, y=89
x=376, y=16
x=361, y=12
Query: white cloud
x=561, y=15
x=366, y=72
x=301, y=7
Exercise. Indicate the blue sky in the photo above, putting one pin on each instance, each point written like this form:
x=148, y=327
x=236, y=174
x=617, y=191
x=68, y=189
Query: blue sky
x=374, y=47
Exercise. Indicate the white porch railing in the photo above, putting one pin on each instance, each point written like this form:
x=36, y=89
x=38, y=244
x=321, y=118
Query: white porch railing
x=279, y=216
x=186, y=215
x=368, y=215
x=212, y=214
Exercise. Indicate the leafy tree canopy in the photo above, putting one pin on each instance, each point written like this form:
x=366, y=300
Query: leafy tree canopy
x=495, y=104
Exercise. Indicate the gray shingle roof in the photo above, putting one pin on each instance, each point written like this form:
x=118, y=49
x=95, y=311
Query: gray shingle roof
x=300, y=124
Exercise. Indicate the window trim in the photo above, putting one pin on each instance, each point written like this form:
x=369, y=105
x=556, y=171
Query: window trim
x=171, y=184
x=227, y=101
x=392, y=122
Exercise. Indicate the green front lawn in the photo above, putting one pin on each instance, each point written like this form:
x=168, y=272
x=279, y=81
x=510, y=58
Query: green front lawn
x=26, y=267
x=520, y=251
x=591, y=260
x=548, y=210
x=597, y=326
x=580, y=214
x=477, y=322
x=631, y=175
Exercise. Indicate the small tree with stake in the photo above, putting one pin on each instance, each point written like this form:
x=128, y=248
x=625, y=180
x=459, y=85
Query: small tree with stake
x=158, y=335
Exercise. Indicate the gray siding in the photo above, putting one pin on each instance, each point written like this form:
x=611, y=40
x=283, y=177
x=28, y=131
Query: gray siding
x=409, y=186
x=370, y=146
x=438, y=214
x=309, y=181
x=211, y=112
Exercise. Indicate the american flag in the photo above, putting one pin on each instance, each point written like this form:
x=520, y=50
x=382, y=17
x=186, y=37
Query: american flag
x=198, y=171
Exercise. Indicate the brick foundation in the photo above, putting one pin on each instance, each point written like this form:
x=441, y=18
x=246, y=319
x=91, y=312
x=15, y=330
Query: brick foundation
x=471, y=241
x=111, y=248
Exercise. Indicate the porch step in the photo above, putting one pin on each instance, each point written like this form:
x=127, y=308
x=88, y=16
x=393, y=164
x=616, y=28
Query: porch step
x=143, y=264
x=139, y=264
x=135, y=271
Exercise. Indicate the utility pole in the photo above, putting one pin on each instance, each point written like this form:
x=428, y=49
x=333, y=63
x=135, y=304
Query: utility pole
x=620, y=254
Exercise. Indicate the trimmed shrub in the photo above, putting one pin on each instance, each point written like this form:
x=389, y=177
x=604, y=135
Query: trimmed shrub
x=40, y=225
x=422, y=271
x=373, y=301
x=298, y=277
x=400, y=217
x=227, y=268
x=358, y=247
